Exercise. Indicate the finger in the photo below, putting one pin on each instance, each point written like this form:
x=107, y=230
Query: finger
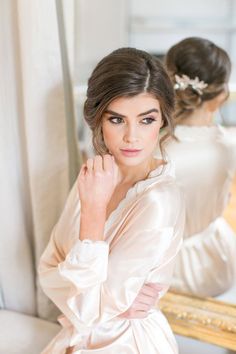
x=82, y=170
x=108, y=162
x=82, y=174
x=125, y=314
x=156, y=286
x=149, y=304
x=129, y=315
x=139, y=306
x=140, y=314
x=147, y=300
x=98, y=164
x=89, y=165
x=152, y=289
x=146, y=290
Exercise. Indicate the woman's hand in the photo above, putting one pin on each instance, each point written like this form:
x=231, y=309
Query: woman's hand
x=144, y=301
x=97, y=181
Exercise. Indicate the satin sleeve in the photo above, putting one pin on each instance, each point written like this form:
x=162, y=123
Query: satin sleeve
x=229, y=139
x=94, y=282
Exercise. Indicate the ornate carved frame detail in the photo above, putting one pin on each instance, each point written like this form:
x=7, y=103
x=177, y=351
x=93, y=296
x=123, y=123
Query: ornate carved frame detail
x=205, y=319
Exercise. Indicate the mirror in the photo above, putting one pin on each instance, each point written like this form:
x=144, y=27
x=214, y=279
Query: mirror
x=155, y=25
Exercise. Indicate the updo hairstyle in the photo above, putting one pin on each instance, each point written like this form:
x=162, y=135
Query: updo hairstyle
x=126, y=72
x=201, y=58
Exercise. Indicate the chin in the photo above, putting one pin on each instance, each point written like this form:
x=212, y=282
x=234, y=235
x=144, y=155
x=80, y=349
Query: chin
x=130, y=161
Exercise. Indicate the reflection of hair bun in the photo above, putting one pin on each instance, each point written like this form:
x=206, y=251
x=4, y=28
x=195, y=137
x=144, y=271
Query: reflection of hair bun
x=197, y=57
x=187, y=101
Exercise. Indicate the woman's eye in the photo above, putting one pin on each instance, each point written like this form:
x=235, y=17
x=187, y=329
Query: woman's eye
x=148, y=120
x=116, y=120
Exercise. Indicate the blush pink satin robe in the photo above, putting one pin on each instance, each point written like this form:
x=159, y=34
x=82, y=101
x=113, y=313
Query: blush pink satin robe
x=92, y=283
x=205, y=165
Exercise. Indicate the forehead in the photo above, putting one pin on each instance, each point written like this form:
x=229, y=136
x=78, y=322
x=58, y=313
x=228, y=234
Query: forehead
x=135, y=104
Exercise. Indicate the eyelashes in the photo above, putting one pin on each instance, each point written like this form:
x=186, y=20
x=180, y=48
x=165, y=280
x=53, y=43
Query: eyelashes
x=116, y=120
x=148, y=120
x=119, y=120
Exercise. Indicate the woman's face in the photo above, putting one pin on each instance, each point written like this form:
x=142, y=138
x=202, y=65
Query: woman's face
x=131, y=128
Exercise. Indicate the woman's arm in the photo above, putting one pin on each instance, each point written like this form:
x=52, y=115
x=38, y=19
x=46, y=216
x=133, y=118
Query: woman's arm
x=90, y=285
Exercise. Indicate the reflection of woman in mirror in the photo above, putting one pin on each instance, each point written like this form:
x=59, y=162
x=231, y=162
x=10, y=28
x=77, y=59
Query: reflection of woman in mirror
x=205, y=162
x=122, y=224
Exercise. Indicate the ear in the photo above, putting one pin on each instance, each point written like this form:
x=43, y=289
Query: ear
x=215, y=103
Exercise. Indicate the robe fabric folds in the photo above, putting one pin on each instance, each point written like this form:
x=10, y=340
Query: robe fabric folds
x=205, y=163
x=92, y=283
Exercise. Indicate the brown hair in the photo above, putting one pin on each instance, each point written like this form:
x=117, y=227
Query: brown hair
x=126, y=72
x=197, y=57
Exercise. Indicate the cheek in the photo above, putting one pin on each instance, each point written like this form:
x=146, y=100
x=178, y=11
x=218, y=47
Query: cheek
x=109, y=135
x=154, y=134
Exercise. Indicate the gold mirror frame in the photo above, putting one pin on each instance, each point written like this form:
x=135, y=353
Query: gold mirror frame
x=201, y=318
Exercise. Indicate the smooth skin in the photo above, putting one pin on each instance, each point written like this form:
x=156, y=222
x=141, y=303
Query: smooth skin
x=204, y=115
x=128, y=123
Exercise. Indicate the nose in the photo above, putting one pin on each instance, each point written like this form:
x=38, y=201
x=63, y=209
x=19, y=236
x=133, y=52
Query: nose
x=131, y=134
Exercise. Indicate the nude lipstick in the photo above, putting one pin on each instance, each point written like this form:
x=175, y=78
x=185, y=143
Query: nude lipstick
x=130, y=152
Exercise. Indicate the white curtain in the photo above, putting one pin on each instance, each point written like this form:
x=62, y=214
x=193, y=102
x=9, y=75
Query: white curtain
x=35, y=148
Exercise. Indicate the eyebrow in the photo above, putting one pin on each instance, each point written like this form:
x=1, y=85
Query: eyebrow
x=139, y=115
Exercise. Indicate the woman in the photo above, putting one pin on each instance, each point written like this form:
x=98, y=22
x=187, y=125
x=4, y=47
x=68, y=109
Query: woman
x=205, y=160
x=122, y=224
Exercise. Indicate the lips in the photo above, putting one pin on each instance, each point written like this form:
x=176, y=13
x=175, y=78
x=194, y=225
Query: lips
x=130, y=152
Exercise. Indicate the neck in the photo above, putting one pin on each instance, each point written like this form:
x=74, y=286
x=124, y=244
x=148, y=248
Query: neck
x=132, y=174
x=200, y=117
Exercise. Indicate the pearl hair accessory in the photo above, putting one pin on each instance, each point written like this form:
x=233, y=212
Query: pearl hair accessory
x=182, y=82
